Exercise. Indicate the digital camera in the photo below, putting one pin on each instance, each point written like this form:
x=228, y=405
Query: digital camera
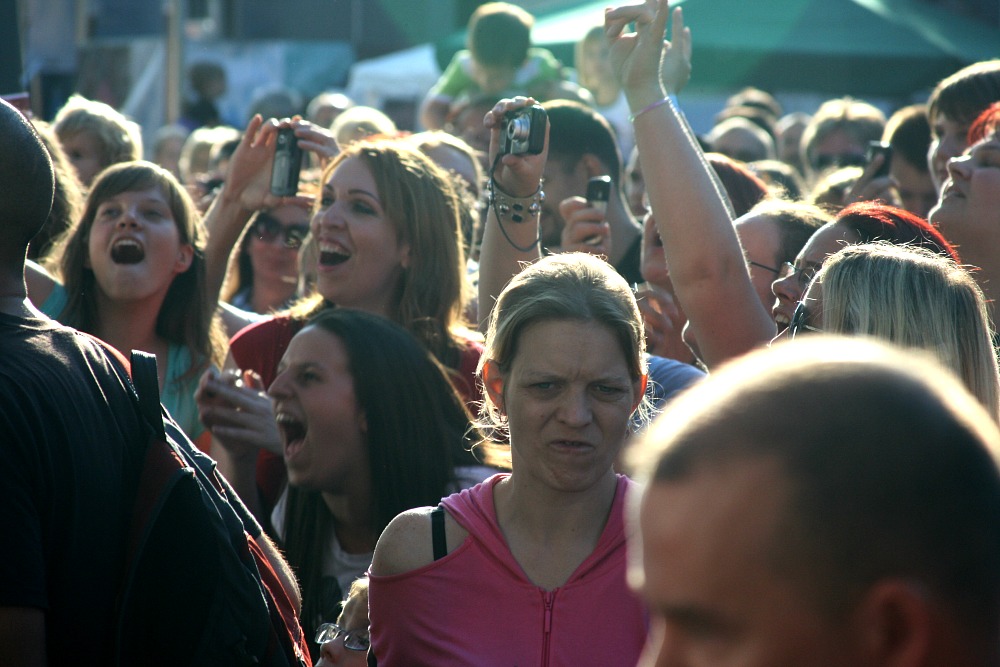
x=523, y=131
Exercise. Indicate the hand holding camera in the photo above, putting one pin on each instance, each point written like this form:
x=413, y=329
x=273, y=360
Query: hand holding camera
x=518, y=145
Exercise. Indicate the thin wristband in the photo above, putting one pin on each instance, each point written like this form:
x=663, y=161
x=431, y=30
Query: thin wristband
x=669, y=99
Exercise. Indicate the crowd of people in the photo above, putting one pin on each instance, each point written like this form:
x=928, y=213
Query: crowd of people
x=745, y=411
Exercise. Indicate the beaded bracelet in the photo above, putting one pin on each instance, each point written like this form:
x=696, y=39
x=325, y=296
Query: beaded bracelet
x=669, y=99
x=504, y=204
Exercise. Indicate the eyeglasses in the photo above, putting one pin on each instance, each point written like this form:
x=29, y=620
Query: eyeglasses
x=803, y=275
x=799, y=318
x=268, y=229
x=355, y=641
x=764, y=266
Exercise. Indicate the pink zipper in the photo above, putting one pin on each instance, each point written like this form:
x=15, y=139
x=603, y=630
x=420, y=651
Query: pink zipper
x=549, y=598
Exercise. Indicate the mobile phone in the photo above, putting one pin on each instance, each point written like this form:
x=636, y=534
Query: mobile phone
x=287, y=164
x=879, y=148
x=598, y=194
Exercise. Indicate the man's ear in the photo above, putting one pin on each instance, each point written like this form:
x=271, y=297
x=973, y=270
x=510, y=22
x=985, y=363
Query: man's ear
x=895, y=622
x=493, y=383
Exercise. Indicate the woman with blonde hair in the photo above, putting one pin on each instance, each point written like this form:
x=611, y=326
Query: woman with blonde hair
x=912, y=298
x=386, y=227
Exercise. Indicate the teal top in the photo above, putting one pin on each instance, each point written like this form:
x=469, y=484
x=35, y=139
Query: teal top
x=177, y=395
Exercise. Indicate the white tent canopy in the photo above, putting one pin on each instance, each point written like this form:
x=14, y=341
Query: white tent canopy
x=403, y=75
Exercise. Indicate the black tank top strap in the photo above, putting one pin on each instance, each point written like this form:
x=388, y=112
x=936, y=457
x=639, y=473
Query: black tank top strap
x=438, y=537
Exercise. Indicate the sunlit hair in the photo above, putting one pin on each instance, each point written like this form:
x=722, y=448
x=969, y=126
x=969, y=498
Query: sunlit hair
x=416, y=435
x=357, y=596
x=196, y=153
x=358, y=122
x=572, y=286
x=796, y=222
x=914, y=298
x=419, y=200
x=880, y=222
x=187, y=317
x=962, y=96
x=118, y=138
x=986, y=124
x=438, y=140
x=861, y=121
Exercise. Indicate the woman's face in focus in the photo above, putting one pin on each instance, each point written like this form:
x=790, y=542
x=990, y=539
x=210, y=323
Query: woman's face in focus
x=321, y=425
x=788, y=290
x=948, y=140
x=568, y=412
x=361, y=258
x=134, y=246
x=969, y=210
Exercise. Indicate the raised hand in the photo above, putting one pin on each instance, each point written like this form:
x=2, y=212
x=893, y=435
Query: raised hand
x=517, y=175
x=586, y=229
x=234, y=407
x=675, y=63
x=635, y=57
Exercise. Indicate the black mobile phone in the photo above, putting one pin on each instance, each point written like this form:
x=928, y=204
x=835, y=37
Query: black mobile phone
x=287, y=164
x=879, y=148
x=598, y=194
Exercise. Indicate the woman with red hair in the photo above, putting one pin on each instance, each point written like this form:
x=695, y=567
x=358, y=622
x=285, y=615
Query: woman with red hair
x=863, y=222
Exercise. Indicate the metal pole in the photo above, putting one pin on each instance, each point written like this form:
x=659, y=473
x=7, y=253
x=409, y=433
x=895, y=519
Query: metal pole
x=174, y=14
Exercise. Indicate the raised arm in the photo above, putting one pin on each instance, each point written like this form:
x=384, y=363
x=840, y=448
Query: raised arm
x=706, y=261
x=507, y=244
x=246, y=190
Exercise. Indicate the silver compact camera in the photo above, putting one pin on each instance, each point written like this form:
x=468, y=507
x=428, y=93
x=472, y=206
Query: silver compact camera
x=523, y=131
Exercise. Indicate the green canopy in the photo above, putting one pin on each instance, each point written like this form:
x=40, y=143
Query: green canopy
x=885, y=48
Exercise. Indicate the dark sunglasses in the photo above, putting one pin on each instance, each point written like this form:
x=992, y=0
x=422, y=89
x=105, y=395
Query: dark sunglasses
x=799, y=319
x=269, y=229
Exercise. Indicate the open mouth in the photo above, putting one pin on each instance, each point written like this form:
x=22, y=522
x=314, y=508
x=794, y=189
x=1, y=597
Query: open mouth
x=332, y=258
x=127, y=251
x=332, y=253
x=572, y=445
x=293, y=432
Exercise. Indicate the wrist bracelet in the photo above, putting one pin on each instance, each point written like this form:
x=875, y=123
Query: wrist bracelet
x=669, y=99
x=505, y=205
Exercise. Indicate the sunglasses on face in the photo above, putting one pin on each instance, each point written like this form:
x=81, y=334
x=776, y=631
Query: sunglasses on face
x=268, y=230
x=799, y=319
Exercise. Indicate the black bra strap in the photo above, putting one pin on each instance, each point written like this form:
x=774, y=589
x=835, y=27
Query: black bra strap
x=438, y=537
